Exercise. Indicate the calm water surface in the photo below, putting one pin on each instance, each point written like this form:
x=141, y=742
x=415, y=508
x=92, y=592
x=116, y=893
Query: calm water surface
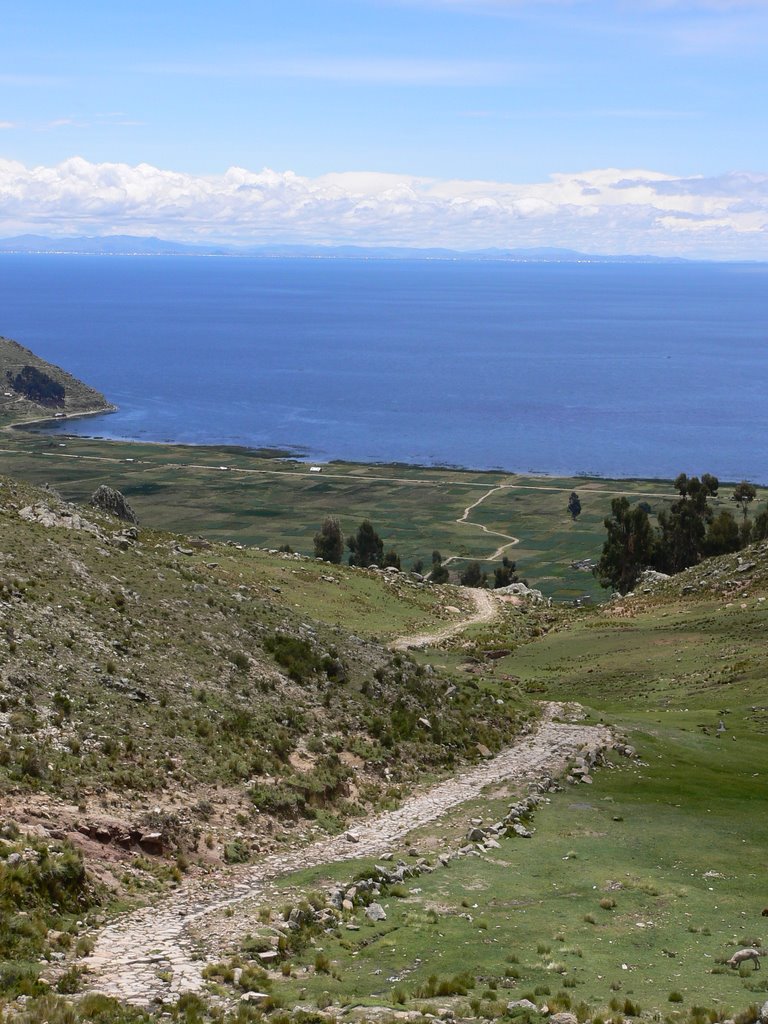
x=611, y=369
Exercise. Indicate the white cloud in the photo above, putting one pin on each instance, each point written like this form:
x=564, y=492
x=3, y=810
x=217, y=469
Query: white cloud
x=602, y=211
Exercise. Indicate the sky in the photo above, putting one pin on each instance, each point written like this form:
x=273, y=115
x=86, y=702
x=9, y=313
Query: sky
x=608, y=126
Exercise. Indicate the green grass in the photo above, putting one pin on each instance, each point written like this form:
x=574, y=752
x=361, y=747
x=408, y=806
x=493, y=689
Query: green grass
x=645, y=835
x=268, y=501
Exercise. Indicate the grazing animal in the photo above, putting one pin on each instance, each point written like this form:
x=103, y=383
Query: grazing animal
x=742, y=955
x=765, y=912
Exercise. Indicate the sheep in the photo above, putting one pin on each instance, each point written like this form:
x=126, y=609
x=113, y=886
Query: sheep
x=742, y=955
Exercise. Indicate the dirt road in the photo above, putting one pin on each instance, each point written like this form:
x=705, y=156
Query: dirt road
x=487, y=610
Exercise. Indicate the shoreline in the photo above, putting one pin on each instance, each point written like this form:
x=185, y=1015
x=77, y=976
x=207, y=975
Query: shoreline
x=37, y=427
x=61, y=418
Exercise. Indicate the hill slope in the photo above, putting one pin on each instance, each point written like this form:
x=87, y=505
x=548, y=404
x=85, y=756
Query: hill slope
x=31, y=388
x=152, y=683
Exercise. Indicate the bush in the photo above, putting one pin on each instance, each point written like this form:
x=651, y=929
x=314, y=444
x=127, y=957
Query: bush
x=237, y=852
x=294, y=655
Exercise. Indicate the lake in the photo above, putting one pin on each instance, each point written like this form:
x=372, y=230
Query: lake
x=619, y=369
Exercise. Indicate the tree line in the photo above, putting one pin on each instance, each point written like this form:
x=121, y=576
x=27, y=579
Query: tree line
x=366, y=548
x=684, y=534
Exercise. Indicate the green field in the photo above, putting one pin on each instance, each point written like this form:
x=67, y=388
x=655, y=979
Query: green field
x=250, y=497
x=653, y=867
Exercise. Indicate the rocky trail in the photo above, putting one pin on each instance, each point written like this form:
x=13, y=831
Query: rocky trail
x=487, y=610
x=156, y=953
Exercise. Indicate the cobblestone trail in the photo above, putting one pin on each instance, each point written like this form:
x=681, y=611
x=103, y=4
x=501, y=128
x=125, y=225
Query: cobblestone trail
x=153, y=953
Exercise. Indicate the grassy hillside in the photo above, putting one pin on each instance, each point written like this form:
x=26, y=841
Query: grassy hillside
x=634, y=889
x=167, y=703
x=33, y=389
x=138, y=664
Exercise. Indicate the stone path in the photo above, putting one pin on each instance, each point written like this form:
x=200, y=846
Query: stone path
x=487, y=610
x=153, y=953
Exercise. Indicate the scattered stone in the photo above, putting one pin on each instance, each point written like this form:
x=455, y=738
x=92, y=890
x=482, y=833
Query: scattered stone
x=254, y=997
x=375, y=912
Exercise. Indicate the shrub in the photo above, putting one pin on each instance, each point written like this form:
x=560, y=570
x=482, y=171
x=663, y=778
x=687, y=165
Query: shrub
x=322, y=964
x=240, y=660
x=236, y=852
x=294, y=655
x=70, y=981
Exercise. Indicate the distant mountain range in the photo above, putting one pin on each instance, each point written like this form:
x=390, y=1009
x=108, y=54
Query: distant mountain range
x=134, y=245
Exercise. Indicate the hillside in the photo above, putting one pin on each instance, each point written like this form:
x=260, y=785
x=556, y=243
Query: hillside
x=142, y=669
x=236, y=726
x=34, y=389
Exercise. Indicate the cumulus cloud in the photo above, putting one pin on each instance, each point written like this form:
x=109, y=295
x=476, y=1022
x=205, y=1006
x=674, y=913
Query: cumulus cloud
x=600, y=211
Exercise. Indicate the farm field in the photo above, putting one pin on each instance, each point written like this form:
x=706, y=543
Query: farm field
x=256, y=498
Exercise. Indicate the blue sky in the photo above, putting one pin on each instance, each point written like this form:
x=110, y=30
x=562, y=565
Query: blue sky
x=505, y=92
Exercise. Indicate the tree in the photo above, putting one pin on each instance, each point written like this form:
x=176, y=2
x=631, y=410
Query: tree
x=743, y=494
x=473, y=576
x=723, y=535
x=366, y=546
x=329, y=541
x=574, y=506
x=683, y=528
x=37, y=386
x=439, y=572
x=505, y=574
x=391, y=559
x=628, y=548
x=760, y=528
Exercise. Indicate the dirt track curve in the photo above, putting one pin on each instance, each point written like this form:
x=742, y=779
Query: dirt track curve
x=153, y=953
x=487, y=610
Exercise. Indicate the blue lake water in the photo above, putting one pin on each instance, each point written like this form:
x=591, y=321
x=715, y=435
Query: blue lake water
x=606, y=369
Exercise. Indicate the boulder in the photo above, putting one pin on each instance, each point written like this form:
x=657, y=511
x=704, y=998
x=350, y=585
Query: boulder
x=375, y=912
x=112, y=501
x=521, y=1004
